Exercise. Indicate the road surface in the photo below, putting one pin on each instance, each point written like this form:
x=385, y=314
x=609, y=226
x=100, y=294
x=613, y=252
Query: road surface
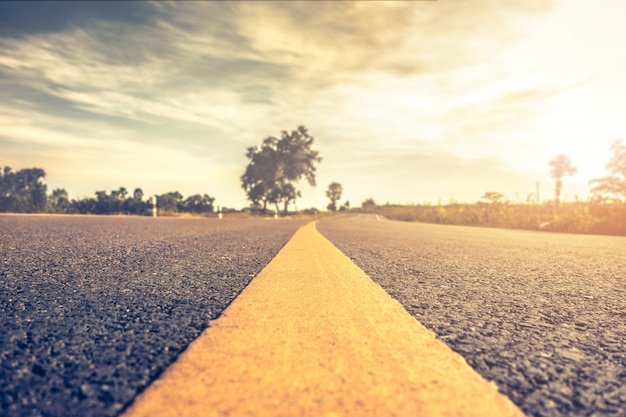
x=95, y=308
x=543, y=315
x=312, y=335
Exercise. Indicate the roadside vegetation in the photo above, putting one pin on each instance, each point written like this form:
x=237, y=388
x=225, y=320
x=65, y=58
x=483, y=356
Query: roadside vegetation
x=277, y=165
x=603, y=213
x=270, y=179
x=25, y=191
x=579, y=217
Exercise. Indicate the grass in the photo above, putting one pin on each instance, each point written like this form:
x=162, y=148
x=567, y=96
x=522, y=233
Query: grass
x=579, y=217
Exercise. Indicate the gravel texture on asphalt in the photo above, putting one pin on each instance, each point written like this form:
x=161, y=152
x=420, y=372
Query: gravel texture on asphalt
x=95, y=308
x=542, y=315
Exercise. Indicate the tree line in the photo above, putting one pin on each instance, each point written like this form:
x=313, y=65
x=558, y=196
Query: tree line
x=25, y=191
x=271, y=177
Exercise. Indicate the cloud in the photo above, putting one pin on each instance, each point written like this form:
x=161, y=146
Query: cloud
x=375, y=82
x=251, y=54
x=47, y=17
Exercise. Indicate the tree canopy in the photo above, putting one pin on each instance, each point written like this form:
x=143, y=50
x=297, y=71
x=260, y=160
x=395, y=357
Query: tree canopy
x=275, y=167
x=613, y=187
x=368, y=203
x=23, y=191
x=334, y=194
x=493, y=197
x=561, y=166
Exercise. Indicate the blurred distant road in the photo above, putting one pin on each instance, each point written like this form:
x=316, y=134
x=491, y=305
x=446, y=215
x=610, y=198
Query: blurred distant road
x=542, y=315
x=95, y=308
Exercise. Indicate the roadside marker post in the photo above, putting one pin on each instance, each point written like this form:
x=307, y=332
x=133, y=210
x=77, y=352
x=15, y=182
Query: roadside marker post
x=153, y=201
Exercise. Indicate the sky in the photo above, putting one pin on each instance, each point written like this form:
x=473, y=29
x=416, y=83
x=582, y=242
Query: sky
x=408, y=102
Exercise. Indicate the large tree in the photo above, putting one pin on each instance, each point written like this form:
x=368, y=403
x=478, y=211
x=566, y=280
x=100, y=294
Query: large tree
x=334, y=194
x=276, y=167
x=261, y=173
x=613, y=187
x=23, y=191
x=561, y=166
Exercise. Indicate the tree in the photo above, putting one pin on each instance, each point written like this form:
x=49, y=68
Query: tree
x=613, y=187
x=107, y=203
x=276, y=167
x=261, y=173
x=23, y=191
x=334, y=194
x=561, y=166
x=493, y=197
x=169, y=201
x=284, y=192
x=197, y=204
x=138, y=194
x=121, y=193
x=59, y=201
x=85, y=206
x=135, y=204
x=368, y=202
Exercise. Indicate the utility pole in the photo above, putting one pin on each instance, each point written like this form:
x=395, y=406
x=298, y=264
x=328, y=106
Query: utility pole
x=537, y=194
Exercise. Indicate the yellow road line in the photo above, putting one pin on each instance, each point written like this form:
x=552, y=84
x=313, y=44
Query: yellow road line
x=312, y=335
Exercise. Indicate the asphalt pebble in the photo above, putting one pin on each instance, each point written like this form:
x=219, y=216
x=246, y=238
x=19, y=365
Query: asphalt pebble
x=95, y=308
x=540, y=314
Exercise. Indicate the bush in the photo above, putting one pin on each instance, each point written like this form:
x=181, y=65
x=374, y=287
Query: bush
x=578, y=217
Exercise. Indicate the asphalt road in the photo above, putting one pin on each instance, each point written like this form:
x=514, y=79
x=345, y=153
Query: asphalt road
x=95, y=308
x=542, y=315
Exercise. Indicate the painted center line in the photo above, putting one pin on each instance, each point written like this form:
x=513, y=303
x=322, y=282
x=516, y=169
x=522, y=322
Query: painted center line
x=312, y=335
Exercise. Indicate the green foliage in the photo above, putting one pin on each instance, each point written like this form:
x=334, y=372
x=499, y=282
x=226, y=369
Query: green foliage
x=334, y=194
x=197, y=204
x=311, y=211
x=59, y=201
x=368, y=203
x=276, y=167
x=169, y=201
x=118, y=202
x=579, y=217
x=493, y=197
x=23, y=191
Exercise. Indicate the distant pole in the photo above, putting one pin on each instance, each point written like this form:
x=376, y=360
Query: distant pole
x=219, y=213
x=537, y=195
x=154, y=205
x=275, y=214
